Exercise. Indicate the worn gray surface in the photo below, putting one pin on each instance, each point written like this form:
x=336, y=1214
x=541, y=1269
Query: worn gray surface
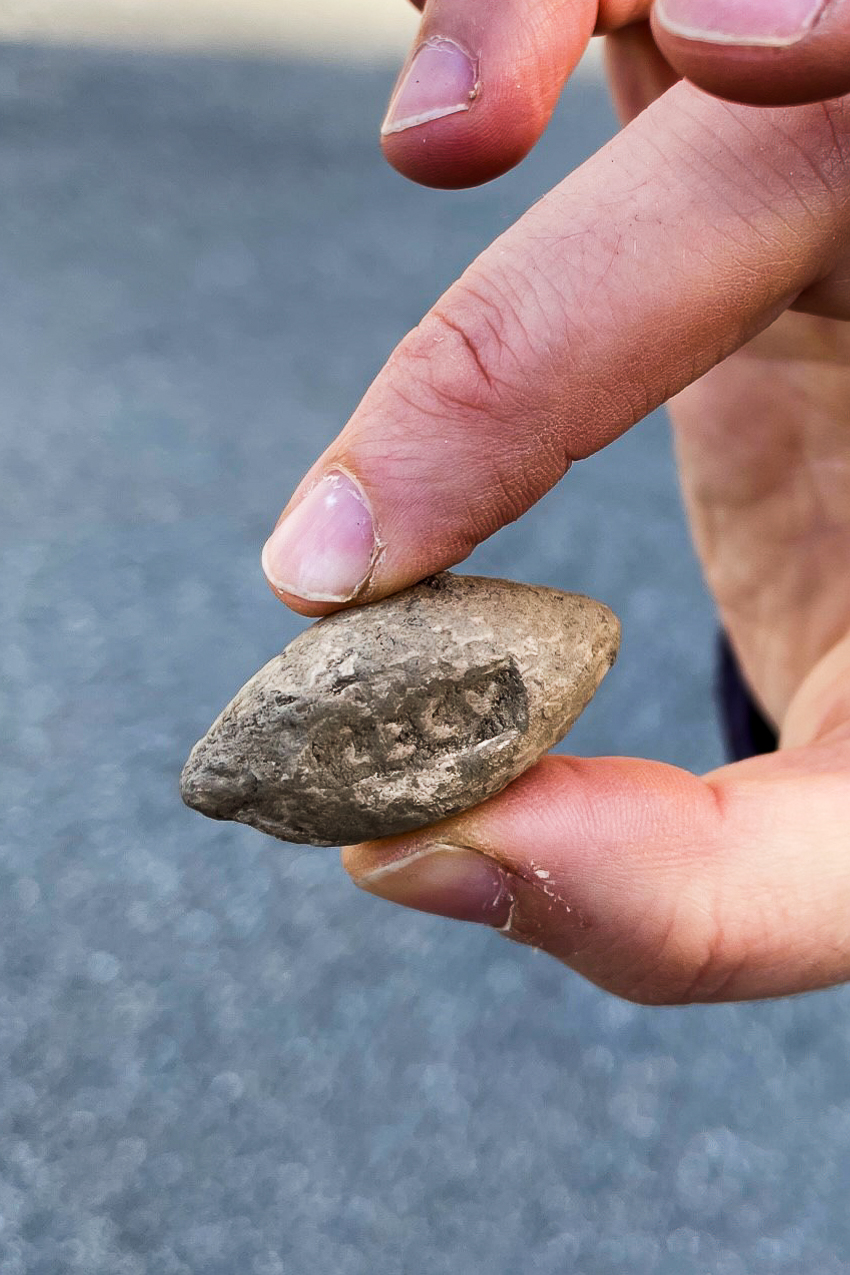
x=217, y=1058
x=386, y=718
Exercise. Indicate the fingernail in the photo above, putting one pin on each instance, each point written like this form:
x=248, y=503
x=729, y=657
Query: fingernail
x=753, y=22
x=441, y=80
x=448, y=881
x=323, y=549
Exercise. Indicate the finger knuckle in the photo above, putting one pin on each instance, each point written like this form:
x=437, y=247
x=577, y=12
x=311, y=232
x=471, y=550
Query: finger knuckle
x=470, y=372
x=468, y=349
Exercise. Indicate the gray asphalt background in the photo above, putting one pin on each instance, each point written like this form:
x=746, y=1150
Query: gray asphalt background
x=217, y=1057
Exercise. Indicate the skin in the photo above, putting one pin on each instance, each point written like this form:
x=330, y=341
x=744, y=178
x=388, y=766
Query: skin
x=702, y=258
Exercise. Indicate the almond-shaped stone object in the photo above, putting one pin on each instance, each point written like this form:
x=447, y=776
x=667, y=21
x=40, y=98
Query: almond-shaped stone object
x=394, y=715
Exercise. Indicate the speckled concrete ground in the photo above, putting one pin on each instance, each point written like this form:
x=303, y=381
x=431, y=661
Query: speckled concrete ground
x=217, y=1057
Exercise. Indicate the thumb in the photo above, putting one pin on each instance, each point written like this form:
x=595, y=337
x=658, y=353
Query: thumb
x=762, y=52
x=657, y=885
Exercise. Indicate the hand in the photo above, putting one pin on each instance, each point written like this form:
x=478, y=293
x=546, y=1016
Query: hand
x=711, y=241
x=486, y=74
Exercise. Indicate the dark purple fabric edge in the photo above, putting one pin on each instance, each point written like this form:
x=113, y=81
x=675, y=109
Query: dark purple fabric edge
x=745, y=730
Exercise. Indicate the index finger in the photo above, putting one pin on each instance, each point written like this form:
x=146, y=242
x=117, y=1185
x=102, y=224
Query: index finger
x=685, y=236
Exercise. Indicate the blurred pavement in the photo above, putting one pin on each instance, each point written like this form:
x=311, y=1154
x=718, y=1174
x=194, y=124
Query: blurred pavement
x=216, y=1057
x=324, y=28
x=374, y=31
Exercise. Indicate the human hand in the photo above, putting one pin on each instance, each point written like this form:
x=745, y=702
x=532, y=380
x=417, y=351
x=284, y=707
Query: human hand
x=706, y=236
x=486, y=74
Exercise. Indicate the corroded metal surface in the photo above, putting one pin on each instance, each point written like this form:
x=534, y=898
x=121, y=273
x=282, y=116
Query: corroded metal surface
x=389, y=717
